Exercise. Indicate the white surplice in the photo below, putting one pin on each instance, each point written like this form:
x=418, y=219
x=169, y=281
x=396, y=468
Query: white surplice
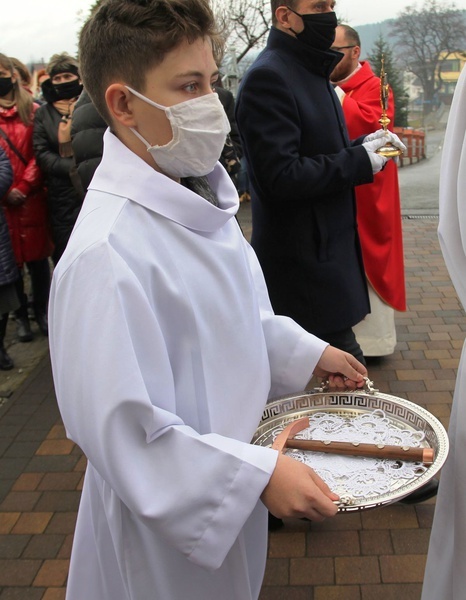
x=445, y=576
x=164, y=351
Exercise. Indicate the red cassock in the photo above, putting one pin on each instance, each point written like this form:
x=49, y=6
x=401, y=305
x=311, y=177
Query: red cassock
x=378, y=203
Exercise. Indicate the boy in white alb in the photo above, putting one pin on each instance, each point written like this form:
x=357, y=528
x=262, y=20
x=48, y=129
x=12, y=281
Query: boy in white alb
x=163, y=342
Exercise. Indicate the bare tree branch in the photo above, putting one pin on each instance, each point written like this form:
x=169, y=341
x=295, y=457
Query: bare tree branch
x=425, y=38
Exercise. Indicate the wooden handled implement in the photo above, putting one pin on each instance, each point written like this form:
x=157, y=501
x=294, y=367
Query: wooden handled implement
x=285, y=440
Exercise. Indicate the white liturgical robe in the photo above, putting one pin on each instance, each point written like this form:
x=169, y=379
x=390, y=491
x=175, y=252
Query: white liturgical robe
x=445, y=575
x=164, y=351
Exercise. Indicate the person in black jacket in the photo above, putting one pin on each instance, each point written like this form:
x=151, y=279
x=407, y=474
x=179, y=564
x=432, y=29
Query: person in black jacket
x=232, y=151
x=303, y=169
x=8, y=270
x=52, y=146
x=87, y=132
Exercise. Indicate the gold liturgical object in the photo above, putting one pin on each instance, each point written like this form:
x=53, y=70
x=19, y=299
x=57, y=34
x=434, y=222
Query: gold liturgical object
x=389, y=150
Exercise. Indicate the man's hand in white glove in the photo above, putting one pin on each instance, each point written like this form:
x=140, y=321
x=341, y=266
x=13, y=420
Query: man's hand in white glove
x=378, y=162
x=392, y=137
x=376, y=140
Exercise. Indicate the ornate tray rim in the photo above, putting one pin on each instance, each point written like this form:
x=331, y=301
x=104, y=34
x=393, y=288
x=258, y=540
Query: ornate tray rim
x=274, y=414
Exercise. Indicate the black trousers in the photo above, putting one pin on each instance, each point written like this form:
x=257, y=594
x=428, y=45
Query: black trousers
x=39, y=272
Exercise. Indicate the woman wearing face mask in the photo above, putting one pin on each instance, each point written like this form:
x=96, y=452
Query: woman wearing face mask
x=52, y=145
x=24, y=202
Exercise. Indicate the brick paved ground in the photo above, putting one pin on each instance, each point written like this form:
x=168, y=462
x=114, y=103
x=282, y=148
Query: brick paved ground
x=374, y=555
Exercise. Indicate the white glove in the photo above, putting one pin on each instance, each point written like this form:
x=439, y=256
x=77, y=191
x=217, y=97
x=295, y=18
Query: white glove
x=392, y=137
x=378, y=162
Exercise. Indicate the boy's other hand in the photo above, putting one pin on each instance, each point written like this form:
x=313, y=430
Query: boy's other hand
x=342, y=369
x=295, y=490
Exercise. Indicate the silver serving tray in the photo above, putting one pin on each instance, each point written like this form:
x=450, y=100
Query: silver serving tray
x=401, y=413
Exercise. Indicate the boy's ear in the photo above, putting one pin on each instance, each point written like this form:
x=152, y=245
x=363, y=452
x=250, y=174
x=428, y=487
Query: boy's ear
x=120, y=104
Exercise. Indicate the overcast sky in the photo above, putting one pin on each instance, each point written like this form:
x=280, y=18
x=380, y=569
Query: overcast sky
x=33, y=30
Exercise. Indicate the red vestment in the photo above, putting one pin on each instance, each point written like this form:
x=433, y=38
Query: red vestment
x=378, y=203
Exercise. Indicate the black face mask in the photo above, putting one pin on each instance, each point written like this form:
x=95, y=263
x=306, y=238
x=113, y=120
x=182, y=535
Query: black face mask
x=48, y=91
x=6, y=85
x=319, y=29
x=68, y=90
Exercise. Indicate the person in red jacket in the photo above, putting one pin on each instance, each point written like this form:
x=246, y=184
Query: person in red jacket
x=378, y=203
x=24, y=202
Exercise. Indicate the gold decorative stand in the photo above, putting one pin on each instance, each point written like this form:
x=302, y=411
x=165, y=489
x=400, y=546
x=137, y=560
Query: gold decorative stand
x=389, y=150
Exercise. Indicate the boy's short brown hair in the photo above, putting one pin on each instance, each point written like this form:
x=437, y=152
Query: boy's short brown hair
x=123, y=39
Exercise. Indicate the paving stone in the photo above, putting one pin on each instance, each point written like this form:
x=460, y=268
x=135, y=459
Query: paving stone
x=410, y=541
x=375, y=542
x=21, y=449
x=18, y=572
x=22, y=593
x=407, y=568
x=311, y=571
x=64, y=522
x=7, y=521
x=55, y=448
x=333, y=543
x=27, y=482
x=5, y=488
x=54, y=594
x=11, y=468
x=12, y=546
x=357, y=570
x=22, y=501
x=65, y=550
x=396, y=516
x=277, y=571
x=58, y=501
x=287, y=544
x=337, y=592
x=32, y=522
x=58, y=431
x=288, y=593
x=53, y=573
x=44, y=546
x=51, y=464
x=391, y=592
x=59, y=481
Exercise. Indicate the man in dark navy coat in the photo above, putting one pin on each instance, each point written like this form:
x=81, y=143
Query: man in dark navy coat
x=303, y=169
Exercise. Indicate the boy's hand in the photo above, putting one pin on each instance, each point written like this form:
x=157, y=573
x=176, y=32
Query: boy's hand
x=295, y=490
x=341, y=368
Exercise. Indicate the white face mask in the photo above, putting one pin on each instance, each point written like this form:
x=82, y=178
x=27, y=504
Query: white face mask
x=200, y=127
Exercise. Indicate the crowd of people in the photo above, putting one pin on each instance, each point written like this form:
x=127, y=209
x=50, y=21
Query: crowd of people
x=180, y=331
x=51, y=175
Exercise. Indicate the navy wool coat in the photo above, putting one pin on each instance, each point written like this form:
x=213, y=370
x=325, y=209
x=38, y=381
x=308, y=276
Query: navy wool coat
x=302, y=169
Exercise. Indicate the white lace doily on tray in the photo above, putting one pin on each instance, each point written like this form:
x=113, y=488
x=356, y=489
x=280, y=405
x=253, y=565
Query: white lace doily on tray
x=351, y=477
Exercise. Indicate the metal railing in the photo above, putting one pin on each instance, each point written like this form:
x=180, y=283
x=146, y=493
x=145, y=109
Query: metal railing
x=414, y=140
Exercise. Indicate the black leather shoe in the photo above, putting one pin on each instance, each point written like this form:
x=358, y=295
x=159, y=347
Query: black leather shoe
x=23, y=330
x=41, y=320
x=6, y=364
x=429, y=490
